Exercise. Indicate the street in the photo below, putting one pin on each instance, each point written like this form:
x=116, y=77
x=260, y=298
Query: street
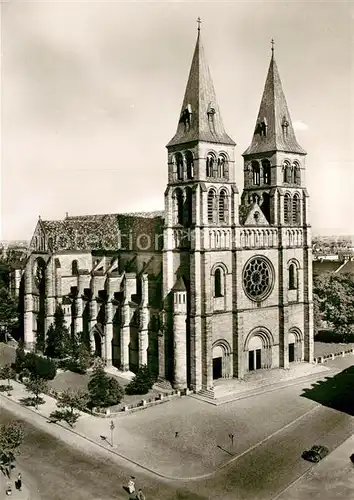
x=84, y=470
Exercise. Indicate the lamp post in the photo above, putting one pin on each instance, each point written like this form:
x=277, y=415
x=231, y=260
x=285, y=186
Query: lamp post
x=112, y=427
x=231, y=436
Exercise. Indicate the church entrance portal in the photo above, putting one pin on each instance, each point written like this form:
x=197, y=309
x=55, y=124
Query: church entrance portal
x=254, y=359
x=217, y=368
x=258, y=352
x=291, y=353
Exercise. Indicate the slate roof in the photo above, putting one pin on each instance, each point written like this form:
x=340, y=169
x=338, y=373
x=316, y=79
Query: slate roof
x=274, y=111
x=96, y=232
x=200, y=98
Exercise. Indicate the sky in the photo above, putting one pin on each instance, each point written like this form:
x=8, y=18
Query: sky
x=91, y=93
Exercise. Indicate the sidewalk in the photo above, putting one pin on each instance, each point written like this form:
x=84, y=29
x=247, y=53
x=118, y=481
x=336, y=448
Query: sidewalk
x=332, y=478
x=24, y=494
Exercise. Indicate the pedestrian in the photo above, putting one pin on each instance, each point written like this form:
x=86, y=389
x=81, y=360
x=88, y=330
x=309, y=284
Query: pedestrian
x=18, y=483
x=140, y=495
x=176, y=434
x=131, y=486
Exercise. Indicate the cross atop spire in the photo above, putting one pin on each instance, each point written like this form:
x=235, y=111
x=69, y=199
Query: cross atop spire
x=200, y=118
x=274, y=130
x=199, y=21
x=272, y=43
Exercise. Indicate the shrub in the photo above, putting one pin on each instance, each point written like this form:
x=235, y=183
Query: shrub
x=40, y=367
x=104, y=390
x=6, y=388
x=18, y=365
x=141, y=383
x=66, y=415
x=36, y=386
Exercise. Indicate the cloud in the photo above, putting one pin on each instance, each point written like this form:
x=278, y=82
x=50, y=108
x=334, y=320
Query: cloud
x=299, y=125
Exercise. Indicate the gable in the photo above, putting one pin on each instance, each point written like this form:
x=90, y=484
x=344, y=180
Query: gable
x=255, y=216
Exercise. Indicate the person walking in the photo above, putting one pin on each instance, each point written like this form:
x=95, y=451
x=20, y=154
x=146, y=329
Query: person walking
x=140, y=495
x=131, y=486
x=19, y=481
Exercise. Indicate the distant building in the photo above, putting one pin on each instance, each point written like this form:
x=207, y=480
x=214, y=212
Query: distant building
x=217, y=285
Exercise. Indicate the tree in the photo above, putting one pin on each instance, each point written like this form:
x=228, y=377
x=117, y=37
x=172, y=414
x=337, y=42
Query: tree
x=141, y=383
x=18, y=365
x=69, y=401
x=58, y=343
x=8, y=309
x=36, y=386
x=11, y=437
x=104, y=390
x=334, y=297
x=7, y=372
x=39, y=367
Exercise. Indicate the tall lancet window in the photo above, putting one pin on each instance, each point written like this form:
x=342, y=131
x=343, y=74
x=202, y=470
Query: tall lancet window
x=287, y=208
x=266, y=171
x=222, y=206
x=296, y=216
x=190, y=164
x=256, y=174
x=180, y=166
x=210, y=163
x=211, y=205
x=179, y=209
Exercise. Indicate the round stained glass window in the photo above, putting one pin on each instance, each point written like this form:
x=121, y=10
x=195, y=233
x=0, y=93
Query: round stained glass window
x=258, y=278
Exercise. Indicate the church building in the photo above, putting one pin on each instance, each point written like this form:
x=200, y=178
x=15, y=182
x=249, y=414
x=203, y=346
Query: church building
x=217, y=285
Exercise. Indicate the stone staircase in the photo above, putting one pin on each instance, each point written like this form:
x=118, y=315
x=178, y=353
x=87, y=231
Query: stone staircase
x=207, y=393
x=164, y=384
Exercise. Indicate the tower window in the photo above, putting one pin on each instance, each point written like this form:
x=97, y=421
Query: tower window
x=222, y=206
x=286, y=172
x=287, y=208
x=297, y=174
x=190, y=164
x=210, y=163
x=74, y=268
x=178, y=198
x=292, y=277
x=256, y=177
x=188, y=207
x=266, y=206
x=218, y=283
x=180, y=166
x=296, y=209
x=266, y=171
x=211, y=205
x=221, y=166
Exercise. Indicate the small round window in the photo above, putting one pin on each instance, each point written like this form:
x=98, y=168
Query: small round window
x=258, y=278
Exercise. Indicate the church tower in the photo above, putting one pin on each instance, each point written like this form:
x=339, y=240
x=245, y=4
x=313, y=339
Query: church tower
x=275, y=196
x=201, y=207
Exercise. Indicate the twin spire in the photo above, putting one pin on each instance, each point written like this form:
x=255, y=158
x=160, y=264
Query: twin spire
x=200, y=118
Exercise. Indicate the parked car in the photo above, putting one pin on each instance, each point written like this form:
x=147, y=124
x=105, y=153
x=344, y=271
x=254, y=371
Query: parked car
x=315, y=454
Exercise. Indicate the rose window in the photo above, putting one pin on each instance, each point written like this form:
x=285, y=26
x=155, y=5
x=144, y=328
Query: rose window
x=258, y=278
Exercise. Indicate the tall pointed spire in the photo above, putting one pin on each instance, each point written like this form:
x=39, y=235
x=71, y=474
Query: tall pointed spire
x=200, y=118
x=274, y=130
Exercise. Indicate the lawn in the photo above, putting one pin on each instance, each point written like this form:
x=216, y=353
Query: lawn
x=66, y=379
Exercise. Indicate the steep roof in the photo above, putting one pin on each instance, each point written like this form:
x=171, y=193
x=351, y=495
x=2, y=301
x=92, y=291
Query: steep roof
x=179, y=286
x=200, y=118
x=106, y=231
x=273, y=119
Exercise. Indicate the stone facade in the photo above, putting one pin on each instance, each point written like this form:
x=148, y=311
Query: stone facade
x=219, y=284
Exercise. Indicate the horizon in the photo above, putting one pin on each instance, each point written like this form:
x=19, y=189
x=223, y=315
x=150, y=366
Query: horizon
x=89, y=104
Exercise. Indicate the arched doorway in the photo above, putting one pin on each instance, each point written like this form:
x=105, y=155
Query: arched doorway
x=295, y=345
x=98, y=341
x=258, y=350
x=221, y=359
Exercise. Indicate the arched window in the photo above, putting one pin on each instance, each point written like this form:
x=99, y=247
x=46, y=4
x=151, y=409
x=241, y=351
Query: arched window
x=266, y=206
x=297, y=174
x=266, y=171
x=287, y=208
x=218, y=283
x=222, y=206
x=210, y=163
x=296, y=216
x=256, y=174
x=180, y=166
x=178, y=206
x=221, y=166
x=190, y=164
x=74, y=268
x=188, y=207
x=211, y=205
x=286, y=171
x=292, y=276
